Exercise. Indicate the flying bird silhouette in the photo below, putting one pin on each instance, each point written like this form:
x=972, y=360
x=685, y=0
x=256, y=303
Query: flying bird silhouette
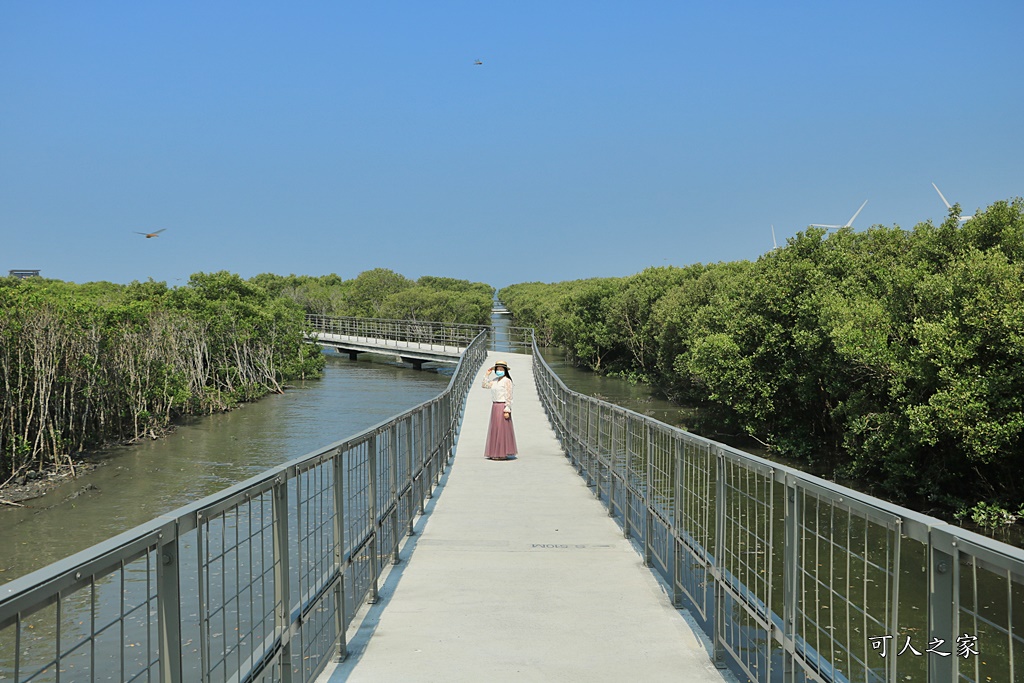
x=155, y=233
x=478, y=63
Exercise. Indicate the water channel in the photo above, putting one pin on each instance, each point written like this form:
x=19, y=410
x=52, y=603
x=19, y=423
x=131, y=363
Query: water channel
x=207, y=454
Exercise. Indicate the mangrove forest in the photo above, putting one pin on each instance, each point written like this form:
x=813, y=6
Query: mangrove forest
x=86, y=365
x=888, y=357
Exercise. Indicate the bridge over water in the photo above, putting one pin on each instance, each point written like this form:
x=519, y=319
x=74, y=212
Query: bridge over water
x=413, y=342
x=523, y=570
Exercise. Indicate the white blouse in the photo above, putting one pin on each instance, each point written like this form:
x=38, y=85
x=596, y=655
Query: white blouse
x=501, y=390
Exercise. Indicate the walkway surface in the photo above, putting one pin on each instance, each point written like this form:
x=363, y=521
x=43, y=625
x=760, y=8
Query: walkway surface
x=518, y=574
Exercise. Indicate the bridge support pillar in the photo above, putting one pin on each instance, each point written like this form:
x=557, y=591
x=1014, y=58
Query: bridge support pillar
x=353, y=355
x=417, y=363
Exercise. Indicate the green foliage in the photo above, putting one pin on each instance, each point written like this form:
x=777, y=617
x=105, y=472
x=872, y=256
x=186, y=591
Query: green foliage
x=889, y=356
x=88, y=364
x=990, y=517
x=381, y=293
x=84, y=365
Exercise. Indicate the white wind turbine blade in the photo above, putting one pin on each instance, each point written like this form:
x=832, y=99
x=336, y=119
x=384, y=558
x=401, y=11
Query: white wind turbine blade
x=849, y=223
x=948, y=207
x=942, y=196
x=775, y=245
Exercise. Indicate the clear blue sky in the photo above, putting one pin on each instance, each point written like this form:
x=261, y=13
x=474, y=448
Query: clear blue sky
x=597, y=138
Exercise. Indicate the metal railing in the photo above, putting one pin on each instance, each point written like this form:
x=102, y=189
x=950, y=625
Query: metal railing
x=792, y=577
x=419, y=334
x=256, y=583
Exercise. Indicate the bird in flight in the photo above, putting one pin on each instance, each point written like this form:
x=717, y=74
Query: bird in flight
x=478, y=63
x=155, y=233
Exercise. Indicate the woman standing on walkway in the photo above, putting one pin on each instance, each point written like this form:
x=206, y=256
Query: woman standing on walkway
x=501, y=437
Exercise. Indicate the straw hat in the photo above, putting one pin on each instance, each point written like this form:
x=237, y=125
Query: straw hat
x=501, y=364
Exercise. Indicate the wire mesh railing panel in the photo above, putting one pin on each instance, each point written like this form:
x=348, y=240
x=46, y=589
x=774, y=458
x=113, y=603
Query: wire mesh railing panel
x=660, y=541
x=698, y=472
x=743, y=556
x=97, y=624
x=256, y=583
x=617, y=466
x=743, y=636
x=237, y=588
x=660, y=502
x=986, y=640
x=695, y=521
x=795, y=578
x=317, y=637
x=847, y=566
x=358, y=514
x=661, y=471
x=743, y=561
x=315, y=519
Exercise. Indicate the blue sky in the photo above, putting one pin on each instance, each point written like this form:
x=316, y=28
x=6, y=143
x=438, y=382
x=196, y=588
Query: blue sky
x=596, y=139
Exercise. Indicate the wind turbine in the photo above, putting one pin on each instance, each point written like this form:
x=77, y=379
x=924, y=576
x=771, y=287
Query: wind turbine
x=775, y=245
x=848, y=224
x=948, y=207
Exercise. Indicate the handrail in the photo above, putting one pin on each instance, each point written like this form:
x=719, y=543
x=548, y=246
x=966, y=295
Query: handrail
x=412, y=331
x=257, y=582
x=793, y=577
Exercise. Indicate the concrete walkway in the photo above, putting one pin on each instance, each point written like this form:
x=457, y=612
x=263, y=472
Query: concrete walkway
x=518, y=574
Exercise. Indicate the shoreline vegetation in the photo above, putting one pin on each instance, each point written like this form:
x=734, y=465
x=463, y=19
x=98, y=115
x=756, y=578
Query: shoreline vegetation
x=891, y=358
x=88, y=366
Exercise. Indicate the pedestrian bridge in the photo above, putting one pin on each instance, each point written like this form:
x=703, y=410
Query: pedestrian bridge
x=615, y=547
x=413, y=342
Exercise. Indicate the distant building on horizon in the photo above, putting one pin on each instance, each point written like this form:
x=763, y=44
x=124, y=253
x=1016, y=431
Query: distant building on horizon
x=23, y=273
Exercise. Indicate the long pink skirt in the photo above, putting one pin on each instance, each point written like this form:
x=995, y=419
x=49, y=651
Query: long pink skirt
x=501, y=437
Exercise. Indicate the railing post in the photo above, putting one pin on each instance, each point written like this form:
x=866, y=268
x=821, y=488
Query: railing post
x=678, y=452
x=592, y=441
x=718, y=650
x=168, y=592
x=411, y=459
x=393, y=484
x=340, y=599
x=648, y=513
x=428, y=449
x=896, y=579
x=371, y=446
x=942, y=606
x=597, y=465
x=791, y=574
x=627, y=526
x=282, y=576
x=446, y=434
x=422, y=453
x=579, y=439
x=615, y=431
x=438, y=440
